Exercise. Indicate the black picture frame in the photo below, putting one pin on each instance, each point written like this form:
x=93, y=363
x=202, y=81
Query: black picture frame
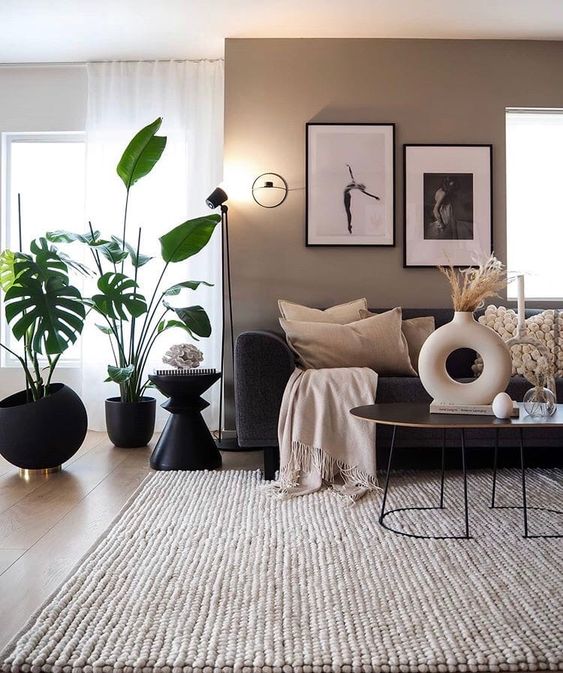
x=487, y=228
x=312, y=240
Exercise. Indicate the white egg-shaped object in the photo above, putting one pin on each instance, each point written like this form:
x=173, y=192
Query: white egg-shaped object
x=502, y=405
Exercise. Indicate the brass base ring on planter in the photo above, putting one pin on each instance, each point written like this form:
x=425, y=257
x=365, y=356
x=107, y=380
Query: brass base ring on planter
x=29, y=474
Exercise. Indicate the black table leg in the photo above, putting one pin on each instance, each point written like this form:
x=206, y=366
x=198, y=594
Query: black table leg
x=524, y=506
x=443, y=475
x=495, y=463
x=464, y=483
x=523, y=469
x=389, y=462
x=384, y=513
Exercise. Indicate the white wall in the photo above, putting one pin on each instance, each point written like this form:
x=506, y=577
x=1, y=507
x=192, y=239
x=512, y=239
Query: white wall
x=41, y=98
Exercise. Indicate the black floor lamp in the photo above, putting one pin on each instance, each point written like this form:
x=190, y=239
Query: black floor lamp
x=217, y=199
x=269, y=190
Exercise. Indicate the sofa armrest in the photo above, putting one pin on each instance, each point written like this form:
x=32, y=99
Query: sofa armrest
x=263, y=365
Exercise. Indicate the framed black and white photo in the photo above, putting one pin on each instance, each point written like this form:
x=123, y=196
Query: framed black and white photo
x=350, y=192
x=448, y=204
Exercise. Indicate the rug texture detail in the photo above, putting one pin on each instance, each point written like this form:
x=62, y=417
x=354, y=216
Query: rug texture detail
x=203, y=573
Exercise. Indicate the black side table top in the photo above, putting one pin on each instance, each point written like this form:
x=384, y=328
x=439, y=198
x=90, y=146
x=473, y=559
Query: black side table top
x=189, y=385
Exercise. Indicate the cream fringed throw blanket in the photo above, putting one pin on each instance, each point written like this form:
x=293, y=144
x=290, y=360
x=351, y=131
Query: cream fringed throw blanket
x=320, y=441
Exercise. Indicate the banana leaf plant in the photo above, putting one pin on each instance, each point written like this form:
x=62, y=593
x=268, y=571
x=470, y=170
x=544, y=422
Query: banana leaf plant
x=45, y=312
x=132, y=321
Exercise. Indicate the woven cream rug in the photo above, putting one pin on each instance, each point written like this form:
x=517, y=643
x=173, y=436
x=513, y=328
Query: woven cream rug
x=202, y=572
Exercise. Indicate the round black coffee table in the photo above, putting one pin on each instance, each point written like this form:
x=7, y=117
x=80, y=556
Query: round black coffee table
x=410, y=415
x=185, y=442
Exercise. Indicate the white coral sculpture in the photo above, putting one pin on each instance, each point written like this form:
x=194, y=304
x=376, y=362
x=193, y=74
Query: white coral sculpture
x=183, y=356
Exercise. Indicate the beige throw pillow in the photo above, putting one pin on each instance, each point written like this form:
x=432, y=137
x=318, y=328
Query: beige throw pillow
x=340, y=314
x=416, y=331
x=376, y=342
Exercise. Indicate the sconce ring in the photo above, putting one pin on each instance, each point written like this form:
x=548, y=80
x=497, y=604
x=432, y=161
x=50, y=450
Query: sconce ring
x=269, y=184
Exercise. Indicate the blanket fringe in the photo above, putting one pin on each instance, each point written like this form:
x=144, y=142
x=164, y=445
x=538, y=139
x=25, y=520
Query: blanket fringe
x=305, y=459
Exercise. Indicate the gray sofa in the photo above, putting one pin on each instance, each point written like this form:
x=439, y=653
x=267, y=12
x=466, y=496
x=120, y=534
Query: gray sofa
x=264, y=362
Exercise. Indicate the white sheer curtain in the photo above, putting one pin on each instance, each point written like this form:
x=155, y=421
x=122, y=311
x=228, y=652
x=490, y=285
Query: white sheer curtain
x=122, y=98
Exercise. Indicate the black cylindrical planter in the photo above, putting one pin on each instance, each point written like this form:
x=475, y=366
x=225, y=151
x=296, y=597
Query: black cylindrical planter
x=44, y=434
x=130, y=424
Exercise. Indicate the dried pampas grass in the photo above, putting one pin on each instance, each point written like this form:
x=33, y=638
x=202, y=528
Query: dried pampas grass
x=470, y=287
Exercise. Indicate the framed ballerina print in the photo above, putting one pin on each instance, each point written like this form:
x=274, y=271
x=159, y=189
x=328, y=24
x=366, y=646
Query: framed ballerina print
x=448, y=204
x=350, y=191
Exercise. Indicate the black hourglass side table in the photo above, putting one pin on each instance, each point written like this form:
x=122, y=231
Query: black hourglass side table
x=185, y=442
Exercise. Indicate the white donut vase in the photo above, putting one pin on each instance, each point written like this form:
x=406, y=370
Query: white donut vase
x=464, y=332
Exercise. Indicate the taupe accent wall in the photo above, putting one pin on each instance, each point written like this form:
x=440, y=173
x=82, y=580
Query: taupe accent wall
x=436, y=91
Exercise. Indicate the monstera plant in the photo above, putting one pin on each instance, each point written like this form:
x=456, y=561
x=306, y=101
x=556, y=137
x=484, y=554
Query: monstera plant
x=45, y=312
x=45, y=424
x=131, y=318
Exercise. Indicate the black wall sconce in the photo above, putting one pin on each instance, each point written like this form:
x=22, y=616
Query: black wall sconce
x=269, y=190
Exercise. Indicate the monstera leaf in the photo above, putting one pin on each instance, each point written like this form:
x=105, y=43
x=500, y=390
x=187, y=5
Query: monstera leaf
x=49, y=256
x=118, y=298
x=51, y=310
x=141, y=155
x=47, y=264
x=111, y=250
x=188, y=238
x=64, y=236
x=7, y=269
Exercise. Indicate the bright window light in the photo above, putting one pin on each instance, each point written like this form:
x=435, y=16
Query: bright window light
x=534, y=181
x=48, y=172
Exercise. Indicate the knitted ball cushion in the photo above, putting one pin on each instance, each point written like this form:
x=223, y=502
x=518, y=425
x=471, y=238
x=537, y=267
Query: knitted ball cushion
x=527, y=361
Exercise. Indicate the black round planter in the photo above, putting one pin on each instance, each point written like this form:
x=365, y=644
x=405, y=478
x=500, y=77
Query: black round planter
x=130, y=424
x=44, y=434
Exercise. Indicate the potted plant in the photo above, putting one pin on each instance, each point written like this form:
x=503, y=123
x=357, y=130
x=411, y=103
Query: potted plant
x=44, y=425
x=130, y=320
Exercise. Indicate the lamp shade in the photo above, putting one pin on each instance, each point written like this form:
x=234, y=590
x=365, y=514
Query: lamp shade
x=217, y=197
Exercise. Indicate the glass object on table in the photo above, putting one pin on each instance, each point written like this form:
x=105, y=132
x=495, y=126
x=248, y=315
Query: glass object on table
x=540, y=402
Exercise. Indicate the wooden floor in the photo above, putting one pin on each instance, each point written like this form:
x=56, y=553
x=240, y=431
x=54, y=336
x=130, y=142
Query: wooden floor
x=48, y=523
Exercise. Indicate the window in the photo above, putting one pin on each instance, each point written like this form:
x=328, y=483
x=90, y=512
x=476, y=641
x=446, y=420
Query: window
x=534, y=181
x=47, y=170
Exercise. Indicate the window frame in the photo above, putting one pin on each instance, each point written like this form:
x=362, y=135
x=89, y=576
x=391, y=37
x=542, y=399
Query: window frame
x=7, y=139
x=511, y=290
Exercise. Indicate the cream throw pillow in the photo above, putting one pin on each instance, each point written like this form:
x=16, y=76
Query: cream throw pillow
x=416, y=331
x=376, y=342
x=546, y=327
x=340, y=315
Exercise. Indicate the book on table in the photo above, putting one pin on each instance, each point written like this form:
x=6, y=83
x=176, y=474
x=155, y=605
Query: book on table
x=469, y=409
